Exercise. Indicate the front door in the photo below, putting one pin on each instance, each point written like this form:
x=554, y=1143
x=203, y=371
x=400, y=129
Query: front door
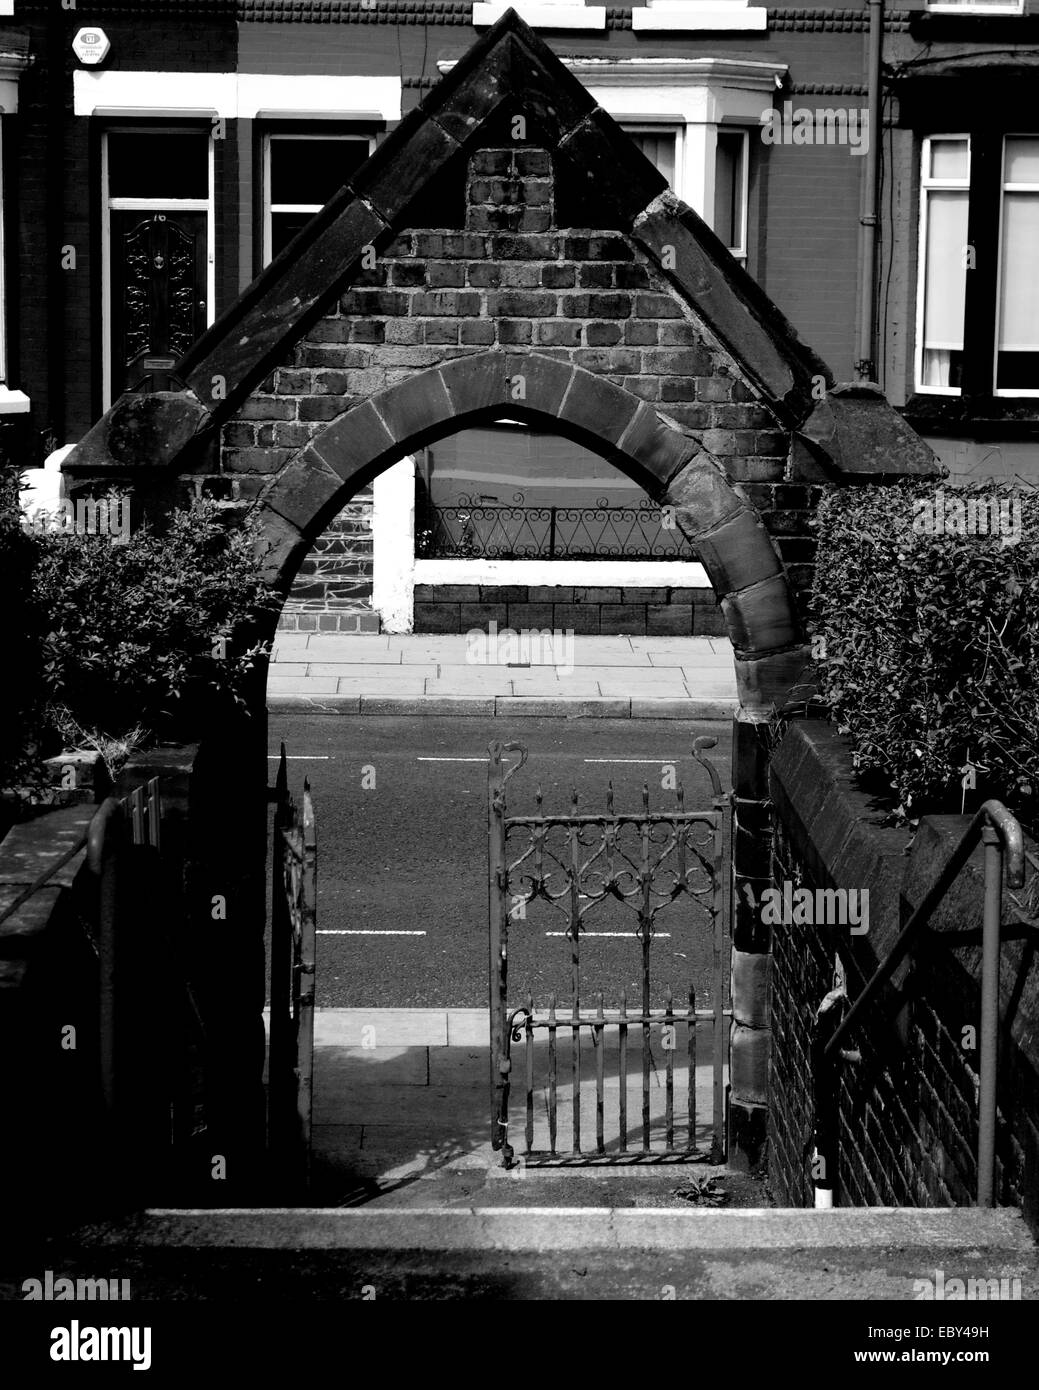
x=158, y=295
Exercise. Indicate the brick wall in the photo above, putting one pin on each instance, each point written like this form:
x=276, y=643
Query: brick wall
x=908, y=1110
x=501, y=272
x=662, y=611
x=333, y=589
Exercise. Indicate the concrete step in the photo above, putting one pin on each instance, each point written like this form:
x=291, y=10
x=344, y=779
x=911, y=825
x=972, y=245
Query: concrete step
x=281, y=1256
x=759, y=1229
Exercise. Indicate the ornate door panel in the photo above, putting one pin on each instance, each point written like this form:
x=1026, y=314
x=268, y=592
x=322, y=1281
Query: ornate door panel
x=158, y=296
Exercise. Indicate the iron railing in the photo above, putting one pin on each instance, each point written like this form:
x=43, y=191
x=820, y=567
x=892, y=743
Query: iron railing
x=473, y=530
x=293, y=952
x=1000, y=833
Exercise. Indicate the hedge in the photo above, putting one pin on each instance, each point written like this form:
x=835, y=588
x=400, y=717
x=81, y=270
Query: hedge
x=926, y=634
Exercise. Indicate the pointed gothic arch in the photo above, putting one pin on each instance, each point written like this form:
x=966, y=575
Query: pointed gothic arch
x=670, y=464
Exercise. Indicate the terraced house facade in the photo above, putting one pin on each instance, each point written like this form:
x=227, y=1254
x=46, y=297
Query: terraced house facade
x=874, y=169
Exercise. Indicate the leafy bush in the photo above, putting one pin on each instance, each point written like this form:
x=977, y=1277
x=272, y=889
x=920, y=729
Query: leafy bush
x=929, y=643
x=151, y=630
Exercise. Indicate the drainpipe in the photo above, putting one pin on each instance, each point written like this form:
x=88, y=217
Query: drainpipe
x=826, y=1079
x=54, y=80
x=865, y=366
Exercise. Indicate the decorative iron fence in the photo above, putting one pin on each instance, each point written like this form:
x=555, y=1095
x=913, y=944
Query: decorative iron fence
x=472, y=529
x=293, y=946
x=579, y=863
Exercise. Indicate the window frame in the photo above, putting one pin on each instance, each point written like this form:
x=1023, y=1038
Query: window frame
x=123, y=204
x=1022, y=393
x=663, y=125
x=928, y=185
x=741, y=252
x=268, y=209
x=4, y=364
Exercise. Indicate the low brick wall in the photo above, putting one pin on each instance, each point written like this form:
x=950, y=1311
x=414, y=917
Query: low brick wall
x=660, y=612
x=213, y=842
x=332, y=591
x=908, y=1112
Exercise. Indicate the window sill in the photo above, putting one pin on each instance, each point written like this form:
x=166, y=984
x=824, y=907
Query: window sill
x=995, y=417
x=543, y=16
x=13, y=402
x=699, y=15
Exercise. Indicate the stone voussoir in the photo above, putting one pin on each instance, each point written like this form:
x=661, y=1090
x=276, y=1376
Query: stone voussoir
x=777, y=678
x=762, y=617
x=738, y=553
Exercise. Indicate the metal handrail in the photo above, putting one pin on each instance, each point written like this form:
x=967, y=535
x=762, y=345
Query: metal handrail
x=995, y=827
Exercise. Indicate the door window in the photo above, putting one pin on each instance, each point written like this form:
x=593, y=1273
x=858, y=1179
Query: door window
x=159, y=254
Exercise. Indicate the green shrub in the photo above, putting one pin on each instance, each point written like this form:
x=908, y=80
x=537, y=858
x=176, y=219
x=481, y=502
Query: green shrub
x=153, y=631
x=929, y=643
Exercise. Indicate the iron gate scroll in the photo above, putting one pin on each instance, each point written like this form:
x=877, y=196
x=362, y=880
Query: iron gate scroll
x=293, y=938
x=576, y=862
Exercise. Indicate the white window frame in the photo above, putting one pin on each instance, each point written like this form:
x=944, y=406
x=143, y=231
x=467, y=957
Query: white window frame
x=739, y=253
x=661, y=125
x=110, y=205
x=11, y=68
x=1005, y=188
x=270, y=208
x=928, y=185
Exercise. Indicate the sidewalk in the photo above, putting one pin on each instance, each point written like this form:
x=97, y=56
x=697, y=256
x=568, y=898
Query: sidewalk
x=611, y=677
x=402, y=1115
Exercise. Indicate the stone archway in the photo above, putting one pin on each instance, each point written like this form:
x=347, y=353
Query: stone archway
x=669, y=463
x=469, y=251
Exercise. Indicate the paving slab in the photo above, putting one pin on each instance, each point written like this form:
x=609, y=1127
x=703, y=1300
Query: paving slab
x=592, y=677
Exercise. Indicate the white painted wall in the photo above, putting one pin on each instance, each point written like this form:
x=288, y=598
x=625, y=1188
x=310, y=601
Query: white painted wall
x=44, y=487
x=393, y=546
x=598, y=574
x=114, y=92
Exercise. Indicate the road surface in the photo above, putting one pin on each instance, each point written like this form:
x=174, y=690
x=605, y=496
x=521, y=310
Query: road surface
x=401, y=809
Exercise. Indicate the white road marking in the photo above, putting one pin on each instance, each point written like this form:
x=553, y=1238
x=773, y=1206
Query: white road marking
x=657, y=936
x=328, y=931
x=299, y=757
x=451, y=760
x=650, y=762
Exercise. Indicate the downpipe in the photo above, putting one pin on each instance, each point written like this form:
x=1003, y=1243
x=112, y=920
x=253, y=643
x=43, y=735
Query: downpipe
x=828, y=1018
x=865, y=364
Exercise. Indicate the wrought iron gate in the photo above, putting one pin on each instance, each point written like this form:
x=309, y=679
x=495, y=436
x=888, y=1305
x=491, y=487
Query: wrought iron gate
x=293, y=937
x=576, y=862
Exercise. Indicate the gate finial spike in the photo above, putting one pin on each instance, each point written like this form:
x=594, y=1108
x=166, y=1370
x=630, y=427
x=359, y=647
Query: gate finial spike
x=645, y=796
x=609, y=797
